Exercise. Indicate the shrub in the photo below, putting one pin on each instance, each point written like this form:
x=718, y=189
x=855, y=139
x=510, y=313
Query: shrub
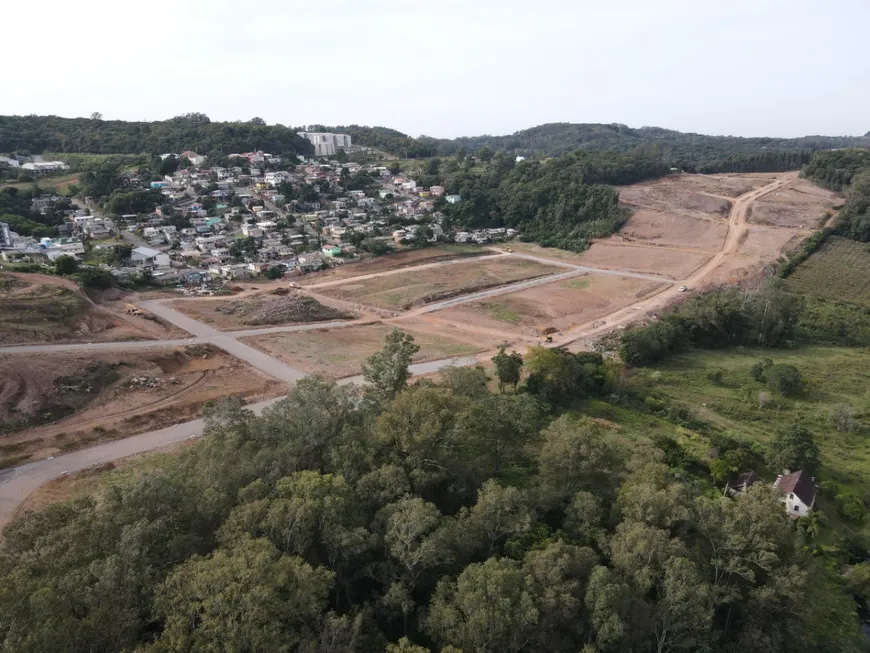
x=850, y=508
x=785, y=380
x=841, y=417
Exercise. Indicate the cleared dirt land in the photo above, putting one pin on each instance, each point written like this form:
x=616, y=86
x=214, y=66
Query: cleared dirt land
x=338, y=353
x=759, y=247
x=673, y=263
x=396, y=261
x=274, y=308
x=36, y=308
x=672, y=229
x=679, y=195
x=53, y=403
x=802, y=205
x=403, y=291
x=839, y=270
x=560, y=305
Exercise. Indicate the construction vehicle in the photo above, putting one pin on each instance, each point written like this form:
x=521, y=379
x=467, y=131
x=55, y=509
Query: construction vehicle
x=132, y=309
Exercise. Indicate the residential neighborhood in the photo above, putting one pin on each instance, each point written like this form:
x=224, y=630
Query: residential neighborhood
x=261, y=216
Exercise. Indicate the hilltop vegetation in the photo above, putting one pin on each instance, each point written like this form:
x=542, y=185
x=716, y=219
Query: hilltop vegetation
x=846, y=171
x=433, y=517
x=690, y=152
x=37, y=134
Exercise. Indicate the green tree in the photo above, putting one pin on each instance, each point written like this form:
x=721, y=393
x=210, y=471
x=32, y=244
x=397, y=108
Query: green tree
x=489, y=608
x=66, y=265
x=387, y=371
x=794, y=449
x=470, y=382
x=508, y=368
x=248, y=598
x=785, y=380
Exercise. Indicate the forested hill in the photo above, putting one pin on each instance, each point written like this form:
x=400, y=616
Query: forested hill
x=195, y=131
x=691, y=152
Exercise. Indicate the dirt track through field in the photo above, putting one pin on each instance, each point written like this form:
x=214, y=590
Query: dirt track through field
x=16, y=483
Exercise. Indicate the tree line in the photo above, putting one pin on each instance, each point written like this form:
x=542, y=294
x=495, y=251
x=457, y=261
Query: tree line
x=440, y=516
x=846, y=171
x=687, y=151
x=561, y=202
x=37, y=134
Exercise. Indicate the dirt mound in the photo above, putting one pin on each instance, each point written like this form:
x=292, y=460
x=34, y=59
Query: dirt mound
x=30, y=396
x=296, y=307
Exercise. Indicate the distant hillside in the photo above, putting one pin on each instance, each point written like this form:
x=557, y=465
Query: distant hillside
x=37, y=134
x=693, y=152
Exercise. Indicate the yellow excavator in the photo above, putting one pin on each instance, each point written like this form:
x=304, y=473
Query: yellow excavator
x=132, y=309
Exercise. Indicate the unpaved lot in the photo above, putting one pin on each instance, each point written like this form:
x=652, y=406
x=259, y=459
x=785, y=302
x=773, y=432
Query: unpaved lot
x=338, y=353
x=395, y=261
x=560, y=305
x=278, y=307
x=403, y=291
x=761, y=246
x=803, y=205
x=36, y=308
x=676, y=196
x=673, y=229
x=53, y=403
x=672, y=263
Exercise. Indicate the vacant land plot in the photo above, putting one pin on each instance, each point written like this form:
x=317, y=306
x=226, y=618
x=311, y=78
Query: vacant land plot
x=51, y=403
x=396, y=261
x=759, y=246
x=802, y=205
x=263, y=309
x=560, y=305
x=36, y=308
x=839, y=270
x=338, y=353
x=673, y=229
x=675, y=195
x=403, y=291
x=672, y=263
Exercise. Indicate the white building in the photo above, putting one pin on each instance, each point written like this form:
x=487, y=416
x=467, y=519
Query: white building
x=148, y=256
x=9, y=161
x=326, y=144
x=5, y=235
x=798, y=491
x=44, y=167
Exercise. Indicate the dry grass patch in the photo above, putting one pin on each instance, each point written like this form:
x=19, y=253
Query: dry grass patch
x=560, y=305
x=403, y=291
x=802, y=205
x=339, y=353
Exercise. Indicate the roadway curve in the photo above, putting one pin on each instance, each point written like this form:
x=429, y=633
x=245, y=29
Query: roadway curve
x=18, y=482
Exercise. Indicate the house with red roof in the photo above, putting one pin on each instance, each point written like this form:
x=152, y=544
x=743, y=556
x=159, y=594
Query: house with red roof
x=798, y=490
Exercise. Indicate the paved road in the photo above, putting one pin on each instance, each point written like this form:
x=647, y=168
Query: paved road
x=19, y=482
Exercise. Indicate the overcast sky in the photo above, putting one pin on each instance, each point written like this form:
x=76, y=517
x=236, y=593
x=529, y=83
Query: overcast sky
x=449, y=67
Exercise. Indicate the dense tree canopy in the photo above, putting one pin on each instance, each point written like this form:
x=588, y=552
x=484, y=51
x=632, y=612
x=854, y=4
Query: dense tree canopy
x=413, y=519
x=195, y=132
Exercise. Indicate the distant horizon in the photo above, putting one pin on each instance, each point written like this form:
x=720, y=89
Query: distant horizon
x=428, y=135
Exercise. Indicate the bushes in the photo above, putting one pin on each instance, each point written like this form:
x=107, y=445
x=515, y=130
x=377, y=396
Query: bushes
x=722, y=318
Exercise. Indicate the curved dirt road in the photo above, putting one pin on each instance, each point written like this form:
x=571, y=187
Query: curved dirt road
x=18, y=482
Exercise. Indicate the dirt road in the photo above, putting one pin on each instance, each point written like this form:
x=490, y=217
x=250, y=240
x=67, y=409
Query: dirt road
x=18, y=482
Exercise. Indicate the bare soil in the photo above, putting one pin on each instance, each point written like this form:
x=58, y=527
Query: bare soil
x=36, y=308
x=404, y=291
x=667, y=262
x=803, y=205
x=561, y=305
x=673, y=229
x=338, y=353
x=759, y=247
x=678, y=195
x=53, y=403
x=278, y=307
x=394, y=261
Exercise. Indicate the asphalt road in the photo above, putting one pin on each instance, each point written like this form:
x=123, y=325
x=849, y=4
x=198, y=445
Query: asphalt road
x=19, y=482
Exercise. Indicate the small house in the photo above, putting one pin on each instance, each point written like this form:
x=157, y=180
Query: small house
x=798, y=490
x=741, y=483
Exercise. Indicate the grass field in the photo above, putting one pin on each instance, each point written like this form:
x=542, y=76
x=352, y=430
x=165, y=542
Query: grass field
x=839, y=270
x=718, y=390
x=338, y=353
x=403, y=291
x=57, y=183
